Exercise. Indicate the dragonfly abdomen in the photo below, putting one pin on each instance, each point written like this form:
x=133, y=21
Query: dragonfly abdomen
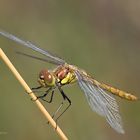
x=119, y=92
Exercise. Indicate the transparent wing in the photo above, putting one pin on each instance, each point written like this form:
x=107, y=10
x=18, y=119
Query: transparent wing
x=28, y=44
x=101, y=102
x=37, y=58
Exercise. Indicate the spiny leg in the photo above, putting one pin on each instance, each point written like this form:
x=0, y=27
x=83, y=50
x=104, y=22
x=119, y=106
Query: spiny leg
x=42, y=97
x=46, y=93
x=65, y=98
x=35, y=88
x=60, y=106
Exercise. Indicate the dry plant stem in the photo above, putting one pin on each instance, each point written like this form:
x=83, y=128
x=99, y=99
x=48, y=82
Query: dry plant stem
x=28, y=90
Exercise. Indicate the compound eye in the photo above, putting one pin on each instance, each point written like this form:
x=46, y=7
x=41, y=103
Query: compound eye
x=46, y=77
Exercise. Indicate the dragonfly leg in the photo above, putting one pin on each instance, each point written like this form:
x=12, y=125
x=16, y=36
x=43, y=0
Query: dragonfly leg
x=65, y=98
x=33, y=89
x=60, y=106
x=42, y=97
x=36, y=88
x=46, y=93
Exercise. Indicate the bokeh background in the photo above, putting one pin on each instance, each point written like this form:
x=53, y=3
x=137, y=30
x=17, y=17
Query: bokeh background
x=100, y=36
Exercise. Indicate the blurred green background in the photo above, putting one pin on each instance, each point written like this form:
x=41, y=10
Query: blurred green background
x=102, y=37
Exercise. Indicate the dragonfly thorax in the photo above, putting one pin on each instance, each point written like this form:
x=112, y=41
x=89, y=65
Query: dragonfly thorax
x=65, y=75
x=46, y=78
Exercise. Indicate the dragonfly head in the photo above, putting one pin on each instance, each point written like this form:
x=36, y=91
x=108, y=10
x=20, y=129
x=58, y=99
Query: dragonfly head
x=46, y=78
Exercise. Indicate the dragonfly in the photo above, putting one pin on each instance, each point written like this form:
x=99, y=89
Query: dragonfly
x=100, y=96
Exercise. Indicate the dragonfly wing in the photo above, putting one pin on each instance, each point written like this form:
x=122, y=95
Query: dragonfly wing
x=101, y=102
x=28, y=44
x=38, y=58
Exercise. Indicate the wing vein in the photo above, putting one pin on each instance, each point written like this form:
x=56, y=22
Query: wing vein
x=28, y=44
x=100, y=102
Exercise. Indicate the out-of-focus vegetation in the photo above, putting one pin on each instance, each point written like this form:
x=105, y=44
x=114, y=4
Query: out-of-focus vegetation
x=102, y=37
